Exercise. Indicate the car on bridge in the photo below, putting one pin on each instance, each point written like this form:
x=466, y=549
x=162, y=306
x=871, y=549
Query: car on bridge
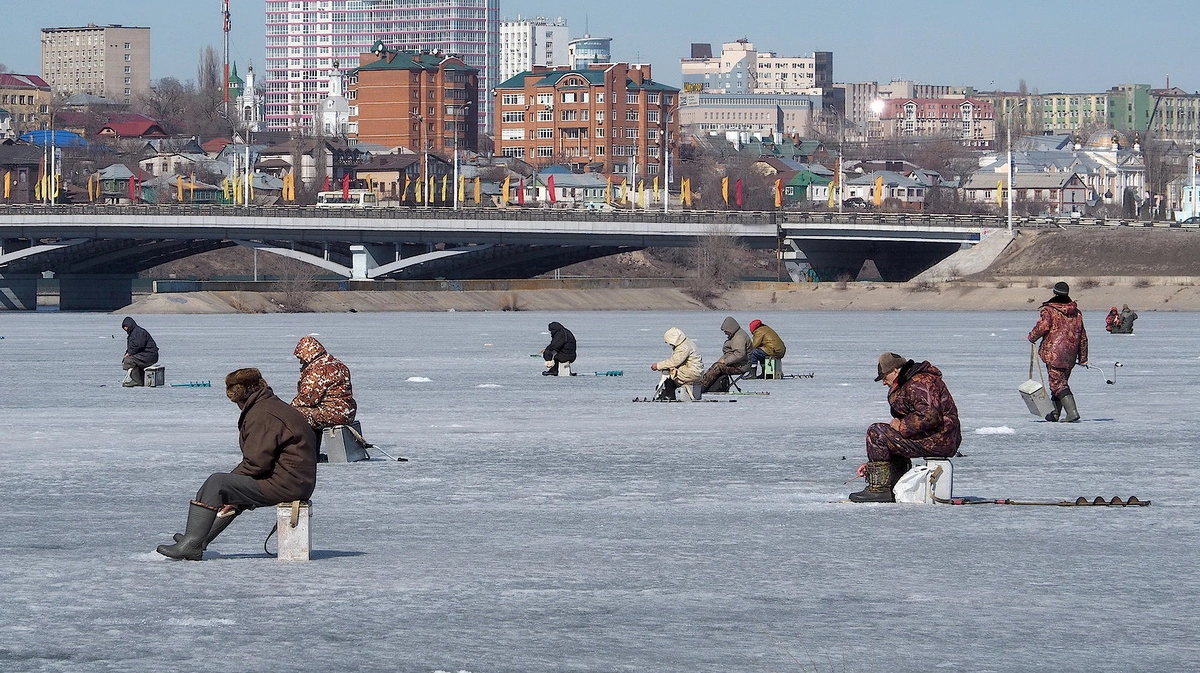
x=856, y=203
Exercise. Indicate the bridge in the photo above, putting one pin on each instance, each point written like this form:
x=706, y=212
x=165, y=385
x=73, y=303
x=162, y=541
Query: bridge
x=96, y=251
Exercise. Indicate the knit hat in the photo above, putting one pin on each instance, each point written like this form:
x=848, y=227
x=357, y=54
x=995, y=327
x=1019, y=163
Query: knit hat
x=754, y=325
x=1061, y=289
x=888, y=363
x=241, y=383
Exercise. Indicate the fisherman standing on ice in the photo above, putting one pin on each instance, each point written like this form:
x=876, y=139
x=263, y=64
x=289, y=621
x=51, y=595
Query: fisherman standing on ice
x=279, y=464
x=1064, y=343
x=924, y=423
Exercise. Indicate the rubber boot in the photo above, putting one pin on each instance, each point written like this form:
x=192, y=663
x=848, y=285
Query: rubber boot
x=1070, y=413
x=199, y=524
x=879, y=484
x=551, y=368
x=899, y=465
x=218, y=527
x=128, y=381
x=1053, y=415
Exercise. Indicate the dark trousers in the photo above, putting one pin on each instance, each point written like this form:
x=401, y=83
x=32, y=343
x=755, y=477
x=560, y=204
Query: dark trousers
x=1058, y=381
x=138, y=364
x=556, y=357
x=718, y=370
x=884, y=442
x=223, y=488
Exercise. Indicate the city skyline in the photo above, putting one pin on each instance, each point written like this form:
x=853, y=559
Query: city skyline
x=870, y=40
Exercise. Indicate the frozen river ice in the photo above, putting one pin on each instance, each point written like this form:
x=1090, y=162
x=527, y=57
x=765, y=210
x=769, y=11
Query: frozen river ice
x=548, y=524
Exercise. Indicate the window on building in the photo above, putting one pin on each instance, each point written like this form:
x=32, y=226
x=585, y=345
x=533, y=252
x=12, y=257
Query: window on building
x=568, y=97
x=512, y=99
x=599, y=132
x=631, y=98
x=570, y=115
x=545, y=99
x=600, y=97
x=652, y=115
x=631, y=115
x=631, y=133
x=517, y=152
x=512, y=117
x=512, y=134
x=545, y=151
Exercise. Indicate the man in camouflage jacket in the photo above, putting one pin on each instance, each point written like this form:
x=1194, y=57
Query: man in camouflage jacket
x=323, y=395
x=924, y=423
x=1064, y=343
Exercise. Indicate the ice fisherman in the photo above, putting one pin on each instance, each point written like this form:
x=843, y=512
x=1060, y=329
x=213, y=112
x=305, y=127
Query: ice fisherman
x=324, y=396
x=1064, y=344
x=684, y=367
x=1112, y=320
x=1125, y=320
x=140, y=352
x=764, y=343
x=279, y=464
x=924, y=423
x=735, y=358
x=561, y=348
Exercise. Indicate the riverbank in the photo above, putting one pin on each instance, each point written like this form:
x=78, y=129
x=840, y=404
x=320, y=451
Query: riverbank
x=1092, y=293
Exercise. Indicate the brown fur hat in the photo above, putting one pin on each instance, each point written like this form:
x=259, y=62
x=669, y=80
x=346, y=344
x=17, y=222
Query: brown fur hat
x=241, y=383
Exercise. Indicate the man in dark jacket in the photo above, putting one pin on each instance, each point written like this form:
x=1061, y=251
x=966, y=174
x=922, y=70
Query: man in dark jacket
x=279, y=464
x=735, y=358
x=140, y=352
x=924, y=423
x=561, y=348
x=1064, y=343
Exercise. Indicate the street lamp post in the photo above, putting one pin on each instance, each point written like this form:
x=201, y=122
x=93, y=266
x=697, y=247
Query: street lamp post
x=1008, y=141
x=424, y=156
x=460, y=110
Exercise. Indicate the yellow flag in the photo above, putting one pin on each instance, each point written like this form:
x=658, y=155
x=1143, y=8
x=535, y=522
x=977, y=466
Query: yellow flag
x=404, y=192
x=725, y=189
x=656, y=188
x=832, y=193
x=642, y=193
x=462, y=188
x=192, y=186
x=478, y=191
x=178, y=188
x=91, y=196
x=685, y=192
x=250, y=179
x=878, y=190
x=8, y=185
x=608, y=191
x=1000, y=193
x=445, y=181
x=625, y=191
x=419, y=189
x=504, y=192
x=778, y=192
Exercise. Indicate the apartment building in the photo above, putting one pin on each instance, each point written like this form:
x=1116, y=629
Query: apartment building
x=525, y=43
x=611, y=118
x=854, y=100
x=970, y=121
x=585, y=51
x=304, y=37
x=418, y=100
x=112, y=61
x=742, y=69
x=26, y=99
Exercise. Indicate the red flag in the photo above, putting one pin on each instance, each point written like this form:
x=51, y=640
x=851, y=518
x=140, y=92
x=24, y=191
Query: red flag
x=326, y=187
x=737, y=190
x=521, y=193
x=132, y=188
x=550, y=188
x=346, y=187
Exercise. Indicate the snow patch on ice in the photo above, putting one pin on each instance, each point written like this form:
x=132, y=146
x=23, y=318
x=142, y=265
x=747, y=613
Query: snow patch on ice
x=999, y=430
x=418, y=379
x=489, y=385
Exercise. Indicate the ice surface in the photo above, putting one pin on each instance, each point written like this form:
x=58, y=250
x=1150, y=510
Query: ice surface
x=550, y=524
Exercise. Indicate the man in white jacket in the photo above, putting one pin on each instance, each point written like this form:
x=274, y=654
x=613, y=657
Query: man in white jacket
x=685, y=366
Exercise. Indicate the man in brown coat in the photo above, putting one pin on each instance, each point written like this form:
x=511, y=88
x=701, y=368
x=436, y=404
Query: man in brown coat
x=279, y=464
x=1064, y=343
x=924, y=423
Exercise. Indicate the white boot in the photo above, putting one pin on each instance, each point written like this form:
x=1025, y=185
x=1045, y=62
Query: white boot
x=128, y=382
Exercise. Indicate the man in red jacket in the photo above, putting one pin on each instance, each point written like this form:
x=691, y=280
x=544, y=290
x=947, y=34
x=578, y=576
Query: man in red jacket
x=924, y=423
x=279, y=464
x=1064, y=343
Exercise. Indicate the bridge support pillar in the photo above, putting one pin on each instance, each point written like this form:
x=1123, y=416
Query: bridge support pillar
x=366, y=258
x=18, y=292
x=94, y=292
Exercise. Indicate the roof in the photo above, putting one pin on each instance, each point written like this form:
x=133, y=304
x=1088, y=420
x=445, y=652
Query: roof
x=573, y=180
x=123, y=172
x=416, y=60
x=58, y=138
x=890, y=178
x=1040, y=180
x=20, y=155
x=132, y=126
x=389, y=162
x=215, y=145
x=11, y=80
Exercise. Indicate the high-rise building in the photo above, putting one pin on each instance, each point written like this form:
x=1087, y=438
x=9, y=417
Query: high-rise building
x=112, y=61
x=525, y=43
x=585, y=51
x=305, y=37
x=741, y=69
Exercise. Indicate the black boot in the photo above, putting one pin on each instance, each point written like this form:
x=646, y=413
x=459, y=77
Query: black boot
x=218, y=527
x=1071, y=414
x=199, y=524
x=898, y=465
x=879, y=484
x=1058, y=407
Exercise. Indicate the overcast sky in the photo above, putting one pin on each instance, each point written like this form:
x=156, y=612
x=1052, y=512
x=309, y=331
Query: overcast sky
x=1091, y=47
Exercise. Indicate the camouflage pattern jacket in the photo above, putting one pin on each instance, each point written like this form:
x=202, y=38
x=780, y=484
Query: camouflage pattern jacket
x=323, y=394
x=1064, y=341
x=927, y=413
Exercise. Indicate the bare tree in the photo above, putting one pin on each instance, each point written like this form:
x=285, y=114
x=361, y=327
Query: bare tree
x=718, y=259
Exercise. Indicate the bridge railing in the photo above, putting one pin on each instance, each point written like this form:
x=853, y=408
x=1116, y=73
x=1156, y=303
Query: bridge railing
x=551, y=214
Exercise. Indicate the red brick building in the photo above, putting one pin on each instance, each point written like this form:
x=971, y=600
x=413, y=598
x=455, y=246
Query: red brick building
x=609, y=118
x=415, y=100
